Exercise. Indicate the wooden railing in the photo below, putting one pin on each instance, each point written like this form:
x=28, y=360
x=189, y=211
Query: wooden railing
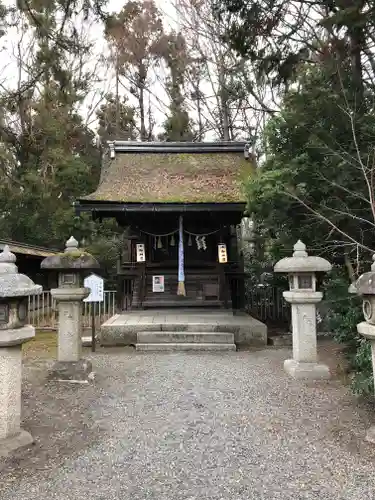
x=43, y=314
x=102, y=310
x=267, y=304
x=128, y=288
x=235, y=289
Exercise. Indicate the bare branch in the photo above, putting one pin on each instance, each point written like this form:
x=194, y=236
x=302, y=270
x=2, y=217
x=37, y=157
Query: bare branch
x=328, y=221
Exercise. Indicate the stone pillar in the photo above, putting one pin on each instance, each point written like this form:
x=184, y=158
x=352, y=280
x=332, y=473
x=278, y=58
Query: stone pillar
x=69, y=306
x=365, y=286
x=71, y=265
x=303, y=298
x=14, y=290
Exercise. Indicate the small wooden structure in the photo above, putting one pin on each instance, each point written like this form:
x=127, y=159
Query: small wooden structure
x=29, y=258
x=179, y=203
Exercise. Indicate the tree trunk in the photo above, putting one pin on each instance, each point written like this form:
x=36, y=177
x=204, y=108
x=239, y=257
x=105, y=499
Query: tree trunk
x=200, y=124
x=142, y=113
x=117, y=99
x=349, y=267
x=357, y=43
x=226, y=135
x=224, y=105
x=150, y=121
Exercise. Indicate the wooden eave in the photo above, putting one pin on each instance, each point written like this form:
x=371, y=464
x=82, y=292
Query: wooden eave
x=17, y=247
x=115, y=207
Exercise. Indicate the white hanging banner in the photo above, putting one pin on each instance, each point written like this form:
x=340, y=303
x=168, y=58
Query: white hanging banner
x=141, y=254
x=222, y=251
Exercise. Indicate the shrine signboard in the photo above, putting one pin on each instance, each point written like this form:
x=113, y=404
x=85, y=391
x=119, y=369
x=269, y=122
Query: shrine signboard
x=158, y=283
x=96, y=285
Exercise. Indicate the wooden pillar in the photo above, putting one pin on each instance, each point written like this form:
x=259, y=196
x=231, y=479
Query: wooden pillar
x=225, y=294
x=241, y=283
x=119, y=293
x=142, y=278
x=237, y=281
x=241, y=277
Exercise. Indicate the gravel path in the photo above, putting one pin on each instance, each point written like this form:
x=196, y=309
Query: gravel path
x=189, y=426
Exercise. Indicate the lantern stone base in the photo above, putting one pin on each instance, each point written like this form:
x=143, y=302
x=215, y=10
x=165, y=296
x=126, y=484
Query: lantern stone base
x=367, y=330
x=79, y=372
x=12, y=443
x=303, y=370
x=16, y=336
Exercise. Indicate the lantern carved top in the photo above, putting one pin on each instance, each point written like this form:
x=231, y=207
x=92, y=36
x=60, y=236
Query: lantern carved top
x=12, y=283
x=72, y=258
x=301, y=262
x=365, y=284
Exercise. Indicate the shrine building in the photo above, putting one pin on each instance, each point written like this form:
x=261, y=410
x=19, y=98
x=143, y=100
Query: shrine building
x=180, y=205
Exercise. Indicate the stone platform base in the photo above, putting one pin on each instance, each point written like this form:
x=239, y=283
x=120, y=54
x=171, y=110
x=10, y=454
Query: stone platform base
x=122, y=329
x=11, y=444
x=71, y=371
x=185, y=341
x=185, y=347
x=310, y=371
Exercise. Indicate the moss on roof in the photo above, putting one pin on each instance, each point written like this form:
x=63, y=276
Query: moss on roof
x=173, y=177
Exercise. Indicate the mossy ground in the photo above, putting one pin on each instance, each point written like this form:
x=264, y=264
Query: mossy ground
x=43, y=345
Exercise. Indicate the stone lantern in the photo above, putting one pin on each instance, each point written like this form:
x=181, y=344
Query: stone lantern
x=14, y=290
x=72, y=265
x=365, y=286
x=303, y=297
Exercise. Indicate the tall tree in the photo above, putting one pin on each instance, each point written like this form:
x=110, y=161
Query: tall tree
x=317, y=181
x=134, y=36
x=48, y=150
x=116, y=120
x=177, y=126
x=217, y=78
x=277, y=35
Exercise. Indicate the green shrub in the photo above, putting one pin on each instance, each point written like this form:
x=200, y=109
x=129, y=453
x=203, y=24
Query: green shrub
x=344, y=313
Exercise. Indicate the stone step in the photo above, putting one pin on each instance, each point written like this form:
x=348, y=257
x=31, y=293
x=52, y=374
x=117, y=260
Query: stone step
x=86, y=341
x=185, y=337
x=181, y=302
x=172, y=288
x=171, y=294
x=189, y=286
x=185, y=347
x=188, y=277
x=280, y=340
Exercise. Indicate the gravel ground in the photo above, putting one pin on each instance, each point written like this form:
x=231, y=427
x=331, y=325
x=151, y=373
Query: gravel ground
x=186, y=426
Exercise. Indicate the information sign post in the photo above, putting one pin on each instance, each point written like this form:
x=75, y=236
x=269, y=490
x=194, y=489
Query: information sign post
x=96, y=285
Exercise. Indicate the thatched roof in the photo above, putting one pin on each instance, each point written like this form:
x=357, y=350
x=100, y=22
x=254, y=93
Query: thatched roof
x=25, y=249
x=162, y=176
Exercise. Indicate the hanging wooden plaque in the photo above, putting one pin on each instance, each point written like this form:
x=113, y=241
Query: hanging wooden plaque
x=222, y=251
x=141, y=254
